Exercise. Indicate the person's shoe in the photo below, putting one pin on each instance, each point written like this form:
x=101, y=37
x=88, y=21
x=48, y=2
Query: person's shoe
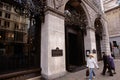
x=102, y=73
x=111, y=75
x=114, y=73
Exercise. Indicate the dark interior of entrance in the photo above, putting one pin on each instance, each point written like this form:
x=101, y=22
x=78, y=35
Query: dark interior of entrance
x=75, y=26
x=98, y=47
x=98, y=35
x=73, y=47
x=75, y=57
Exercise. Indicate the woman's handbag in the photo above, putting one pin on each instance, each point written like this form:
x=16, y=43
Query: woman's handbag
x=87, y=72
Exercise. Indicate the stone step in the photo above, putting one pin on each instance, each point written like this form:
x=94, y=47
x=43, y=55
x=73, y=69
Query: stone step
x=34, y=78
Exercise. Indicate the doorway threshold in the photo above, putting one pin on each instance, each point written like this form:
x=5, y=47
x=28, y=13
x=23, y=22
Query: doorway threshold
x=76, y=68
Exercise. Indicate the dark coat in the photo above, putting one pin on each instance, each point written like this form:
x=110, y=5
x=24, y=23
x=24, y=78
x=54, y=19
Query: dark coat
x=105, y=60
x=111, y=62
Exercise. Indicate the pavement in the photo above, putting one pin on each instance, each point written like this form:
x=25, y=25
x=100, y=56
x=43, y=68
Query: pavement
x=80, y=75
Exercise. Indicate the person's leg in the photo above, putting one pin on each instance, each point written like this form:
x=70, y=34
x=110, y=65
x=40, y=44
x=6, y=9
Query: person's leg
x=87, y=73
x=110, y=70
x=114, y=71
x=104, y=70
x=93, y=73
x=90, y=73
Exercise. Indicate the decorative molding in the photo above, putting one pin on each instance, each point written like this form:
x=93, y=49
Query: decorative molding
x=91, y=28
x=112, y=36
x=91, y=5
x=112, y=9
x=58, y=4
x=54, y=12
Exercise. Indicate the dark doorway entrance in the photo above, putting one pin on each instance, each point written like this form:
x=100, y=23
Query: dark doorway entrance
x=98, y=35
x=75, y=26
x=73, y=49
x=98, y=47
x=75, y=57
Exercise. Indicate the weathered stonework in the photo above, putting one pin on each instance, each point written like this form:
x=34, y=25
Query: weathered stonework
x=112, y=11
x=53, y=35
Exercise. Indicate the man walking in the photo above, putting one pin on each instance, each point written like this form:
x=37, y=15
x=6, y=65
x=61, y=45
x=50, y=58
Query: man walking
x=106, y=65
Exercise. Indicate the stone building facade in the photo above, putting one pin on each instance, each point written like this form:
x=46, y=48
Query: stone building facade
x=72, y=29
x=112, y=11
x=84, y=26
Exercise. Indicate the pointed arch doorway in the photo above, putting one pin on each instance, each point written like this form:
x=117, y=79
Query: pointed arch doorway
x=98, y=35
x=75, y=29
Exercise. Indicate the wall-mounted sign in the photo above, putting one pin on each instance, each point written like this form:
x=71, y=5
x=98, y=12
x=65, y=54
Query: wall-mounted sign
x=57, y=52
x=87, y=52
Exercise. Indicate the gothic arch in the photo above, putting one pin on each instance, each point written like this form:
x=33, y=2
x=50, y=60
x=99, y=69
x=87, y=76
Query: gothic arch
x=87, y=14
x=84, y=8
x=98, y=26
x=76, y=23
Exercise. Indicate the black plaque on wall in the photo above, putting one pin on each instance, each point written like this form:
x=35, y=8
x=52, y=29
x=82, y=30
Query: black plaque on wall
x=57, y=52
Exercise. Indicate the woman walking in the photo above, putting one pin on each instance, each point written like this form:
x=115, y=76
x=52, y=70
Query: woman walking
x=91, y=64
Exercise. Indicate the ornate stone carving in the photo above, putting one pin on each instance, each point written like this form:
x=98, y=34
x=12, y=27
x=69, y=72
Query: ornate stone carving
x=96, y=3
x=58, y=3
